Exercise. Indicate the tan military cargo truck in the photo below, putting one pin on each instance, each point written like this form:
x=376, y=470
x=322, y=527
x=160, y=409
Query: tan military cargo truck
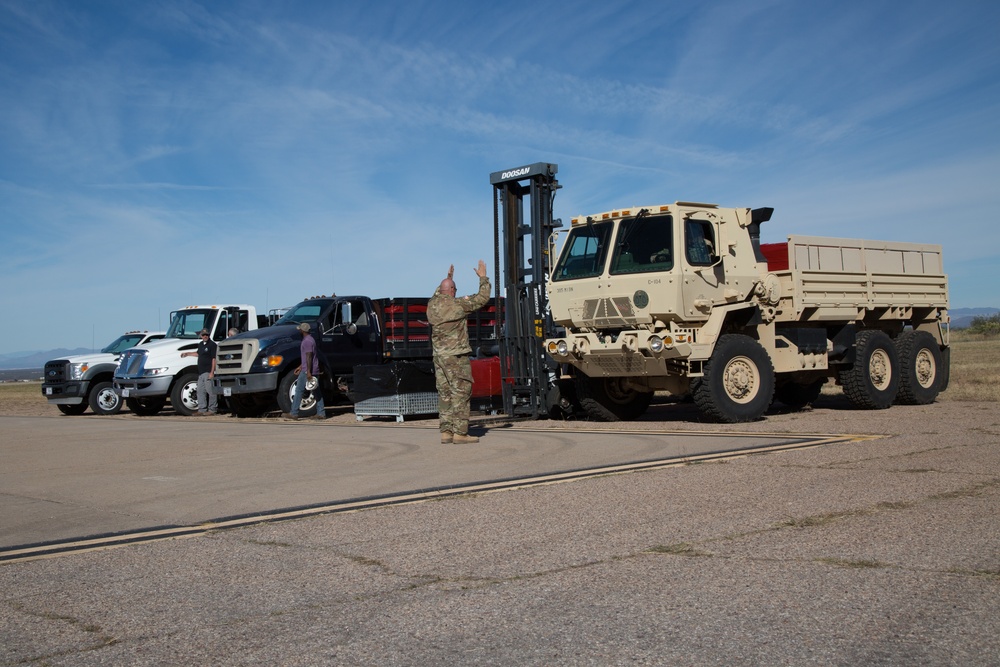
x=684, y=299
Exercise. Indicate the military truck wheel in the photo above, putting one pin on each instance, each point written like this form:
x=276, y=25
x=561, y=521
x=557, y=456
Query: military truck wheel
x=872, y=382
x=920, y=367
x=286, y=388
x=737, y=383
x=184, y=395
x=72, y=410
x=104, y=400
x=145, y=407
x=796, y=395
x=609, y=399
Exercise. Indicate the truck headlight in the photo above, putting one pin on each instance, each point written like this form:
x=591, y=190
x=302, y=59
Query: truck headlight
x=271, y=360
x=558, y=348
x=154, y=371
x=655, y=344
x=76, y=371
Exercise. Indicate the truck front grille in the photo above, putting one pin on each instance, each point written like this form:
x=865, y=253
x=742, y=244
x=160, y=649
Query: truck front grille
x=608, y=313
x=236, y=356
x=132, y=364
x=56, y=371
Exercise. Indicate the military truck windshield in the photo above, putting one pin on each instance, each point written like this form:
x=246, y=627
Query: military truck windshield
x=307, y=311
x=584, y=253
x=187, y=323
x=122, y=343
x=643, y=244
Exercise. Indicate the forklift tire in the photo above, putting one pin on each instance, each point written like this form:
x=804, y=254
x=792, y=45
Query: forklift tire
x=737, y=384
x=796, y=395
x=72, y=410
x=104, y=400
x=145, y=407
x=609, y=400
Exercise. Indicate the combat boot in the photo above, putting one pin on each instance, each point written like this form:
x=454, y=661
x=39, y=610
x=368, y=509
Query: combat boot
x=461, y=439
x=446, y=438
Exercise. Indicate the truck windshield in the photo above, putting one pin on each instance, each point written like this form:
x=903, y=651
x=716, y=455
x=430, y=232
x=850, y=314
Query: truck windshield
x=307, y=311
x=122, y=343
x=584, y=253
x=187, y=323
x=643, y=244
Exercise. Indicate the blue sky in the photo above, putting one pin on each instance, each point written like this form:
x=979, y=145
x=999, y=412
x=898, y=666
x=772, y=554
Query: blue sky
x=155, y=155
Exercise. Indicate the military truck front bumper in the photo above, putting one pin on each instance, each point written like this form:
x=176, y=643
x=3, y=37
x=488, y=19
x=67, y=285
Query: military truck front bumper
x=142, y=387
x=246, y=383
x=66, y=393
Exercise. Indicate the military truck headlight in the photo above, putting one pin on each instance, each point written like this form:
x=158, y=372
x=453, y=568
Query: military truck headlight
x=76, y=371
x=655, y=344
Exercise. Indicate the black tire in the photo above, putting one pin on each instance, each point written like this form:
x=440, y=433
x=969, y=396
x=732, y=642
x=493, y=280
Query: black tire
x=609, y=400
x=145, y=407
x=920, y=368
x=104, y=400
x=184, y=394
x=72, y=410
x=872, y=381
x=307, y=405
x=796, y=395
x=737, y=384
x=244, y=407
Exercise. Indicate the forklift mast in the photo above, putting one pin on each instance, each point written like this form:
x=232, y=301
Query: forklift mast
x=529, y=377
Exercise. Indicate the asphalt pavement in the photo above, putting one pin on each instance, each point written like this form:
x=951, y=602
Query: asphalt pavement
x=882, y=547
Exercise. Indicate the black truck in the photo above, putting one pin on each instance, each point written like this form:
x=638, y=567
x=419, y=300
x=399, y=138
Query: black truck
x=255, y=370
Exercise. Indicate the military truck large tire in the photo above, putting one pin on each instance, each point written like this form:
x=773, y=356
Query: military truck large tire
x=145, y=407
x=609, y=399
x=872, y=381
x=798, y=395
x=104, y=400
x=184, y=395
x=920, y=368
x=286, y=388
x=738, y=381
x=72, y=410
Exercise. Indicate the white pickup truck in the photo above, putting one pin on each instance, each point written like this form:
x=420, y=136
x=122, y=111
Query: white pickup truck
x=73, y=383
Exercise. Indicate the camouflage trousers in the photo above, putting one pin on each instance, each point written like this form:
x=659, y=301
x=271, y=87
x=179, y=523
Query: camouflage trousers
x=453, y=377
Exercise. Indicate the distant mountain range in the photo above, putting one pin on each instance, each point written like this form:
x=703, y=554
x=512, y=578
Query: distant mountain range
x=961, y=318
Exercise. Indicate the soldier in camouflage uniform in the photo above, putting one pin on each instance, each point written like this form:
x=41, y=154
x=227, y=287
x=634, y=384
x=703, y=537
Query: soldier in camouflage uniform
x=450, y=339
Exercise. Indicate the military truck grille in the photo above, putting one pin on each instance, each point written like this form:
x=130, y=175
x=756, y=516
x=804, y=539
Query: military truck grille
x=132, y=363
x=236, y=356
x=56, y=371
x=608, y=313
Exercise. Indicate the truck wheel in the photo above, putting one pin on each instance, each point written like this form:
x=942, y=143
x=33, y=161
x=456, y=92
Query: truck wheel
x=103, y=399
x=184, y=395
x=797, y=395
x=872, y=382
x=286, y=388
x=919, y=368
x=72, y=410
x=609, y=399
x=738, y=381
x=145, y=407
x=244, y=407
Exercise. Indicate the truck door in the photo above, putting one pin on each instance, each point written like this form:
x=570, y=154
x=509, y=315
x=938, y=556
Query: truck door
x=703, y=271
x=349, y=338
